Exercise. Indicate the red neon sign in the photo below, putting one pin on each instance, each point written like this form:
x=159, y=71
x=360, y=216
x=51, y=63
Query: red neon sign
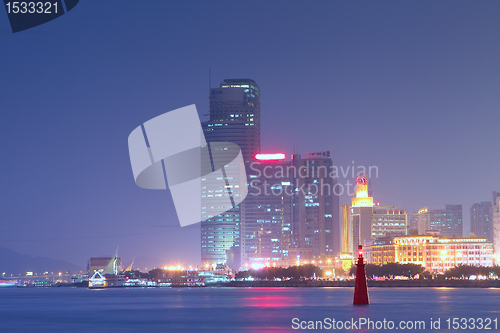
x=266, y=157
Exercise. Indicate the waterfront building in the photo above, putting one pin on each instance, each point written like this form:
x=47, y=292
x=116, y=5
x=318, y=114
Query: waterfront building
x=436, y=254
x=481, y=220
x=447, y=219
x=99, y=264
x=234, y=117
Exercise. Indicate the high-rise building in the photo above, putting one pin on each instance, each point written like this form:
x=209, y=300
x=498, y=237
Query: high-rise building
x=266, y=213
x=496, y=221
x=291, y=211
x=481, y=220
x=388, y=220
x=447, y=219
x=315, y=224
x=234, y=117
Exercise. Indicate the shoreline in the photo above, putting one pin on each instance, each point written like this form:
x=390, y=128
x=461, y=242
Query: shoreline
x=313, y=284
x=371, y=284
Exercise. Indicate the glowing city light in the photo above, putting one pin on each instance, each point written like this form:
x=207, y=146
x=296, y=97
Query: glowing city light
x=267, y=157
x=257, y=265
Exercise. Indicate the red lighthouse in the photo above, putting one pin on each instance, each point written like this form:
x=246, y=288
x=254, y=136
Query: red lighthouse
x=360, y=287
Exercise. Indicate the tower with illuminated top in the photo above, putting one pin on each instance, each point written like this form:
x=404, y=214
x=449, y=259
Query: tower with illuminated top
x=364, y=220
x=361, y=213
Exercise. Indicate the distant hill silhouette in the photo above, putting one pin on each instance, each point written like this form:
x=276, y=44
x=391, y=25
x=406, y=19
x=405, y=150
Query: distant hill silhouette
x=15, y=263
x=147, y=263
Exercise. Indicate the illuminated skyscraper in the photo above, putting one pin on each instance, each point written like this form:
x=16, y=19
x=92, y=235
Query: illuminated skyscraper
x=315, y=226
x=291, y=210
x=267, y=213
x=481, y=220
x=234, y=117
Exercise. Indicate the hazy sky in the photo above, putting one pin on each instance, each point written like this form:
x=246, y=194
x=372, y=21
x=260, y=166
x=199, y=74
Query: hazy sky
x=410, y=87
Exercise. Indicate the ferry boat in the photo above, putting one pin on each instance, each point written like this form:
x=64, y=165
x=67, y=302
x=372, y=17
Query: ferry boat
x=97, y=281
x=4, y=283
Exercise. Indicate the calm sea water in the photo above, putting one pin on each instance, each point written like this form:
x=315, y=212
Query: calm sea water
x=232, y=309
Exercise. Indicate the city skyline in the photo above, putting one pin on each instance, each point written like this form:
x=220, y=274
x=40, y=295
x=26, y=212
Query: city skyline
x=408, y=88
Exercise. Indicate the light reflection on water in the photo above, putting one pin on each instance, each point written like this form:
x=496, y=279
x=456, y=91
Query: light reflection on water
x=229, y=309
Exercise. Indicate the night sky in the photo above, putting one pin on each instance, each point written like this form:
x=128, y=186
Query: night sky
x=410, y=87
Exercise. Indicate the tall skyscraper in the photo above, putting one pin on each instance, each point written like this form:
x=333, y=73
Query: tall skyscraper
x=291, y=211
x=481, y=220
x=447, y=219
x=267, y=213
x=234, y=117
x=315, y=224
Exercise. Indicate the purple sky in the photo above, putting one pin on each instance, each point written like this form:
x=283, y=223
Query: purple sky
x=411, y=87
